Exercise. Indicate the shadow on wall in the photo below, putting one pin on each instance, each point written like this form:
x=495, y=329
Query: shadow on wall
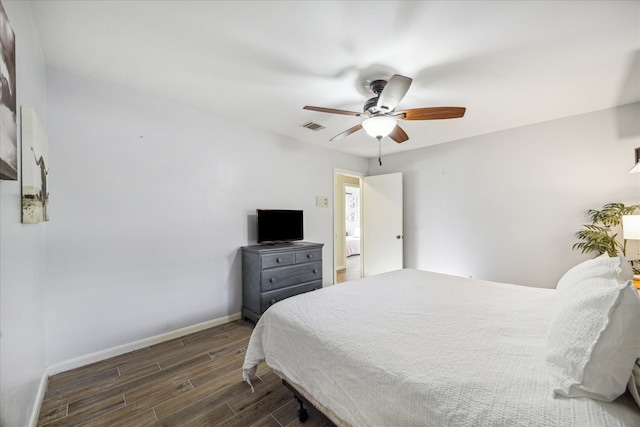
x=234, y=280
x=627, y=122
x=627, y=118
x=252, y=231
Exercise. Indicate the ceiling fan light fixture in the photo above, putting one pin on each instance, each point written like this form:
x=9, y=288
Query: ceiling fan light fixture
x=379, y=126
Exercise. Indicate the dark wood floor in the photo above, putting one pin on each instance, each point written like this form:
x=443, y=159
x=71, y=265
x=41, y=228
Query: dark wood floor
x=352, y=270
x=195, y=380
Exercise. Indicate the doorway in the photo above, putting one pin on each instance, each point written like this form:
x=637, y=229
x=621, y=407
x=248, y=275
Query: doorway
x=352, y=234
x=347, y=230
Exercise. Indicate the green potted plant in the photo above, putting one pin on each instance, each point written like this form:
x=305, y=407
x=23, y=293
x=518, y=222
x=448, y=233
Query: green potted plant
x=601, y=234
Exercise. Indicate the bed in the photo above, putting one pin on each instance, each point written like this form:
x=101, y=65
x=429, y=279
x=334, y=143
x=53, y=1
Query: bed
x=352, y=241
x=352, y=246
x=417, y=348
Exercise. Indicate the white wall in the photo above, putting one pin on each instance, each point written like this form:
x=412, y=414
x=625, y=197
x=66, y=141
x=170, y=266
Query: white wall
x=505, y=206
x=22, y=246
x=150, y=202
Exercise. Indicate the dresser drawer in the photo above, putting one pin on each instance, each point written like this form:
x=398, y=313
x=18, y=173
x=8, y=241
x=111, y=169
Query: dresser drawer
x=272, y=297
x=308, y=255
x=278, y=259
x=276, y=278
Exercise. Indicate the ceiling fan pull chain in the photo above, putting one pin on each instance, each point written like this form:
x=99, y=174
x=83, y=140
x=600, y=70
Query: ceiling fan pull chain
x=380, y=151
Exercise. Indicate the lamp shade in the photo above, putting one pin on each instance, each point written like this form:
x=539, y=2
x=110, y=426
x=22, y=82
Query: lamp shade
x=379, y=127
x=631, y=227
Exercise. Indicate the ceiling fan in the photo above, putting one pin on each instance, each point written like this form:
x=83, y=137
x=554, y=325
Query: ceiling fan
x=381, y=115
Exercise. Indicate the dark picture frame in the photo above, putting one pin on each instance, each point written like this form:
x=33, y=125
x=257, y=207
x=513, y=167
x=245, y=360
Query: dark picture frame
x=8, y=106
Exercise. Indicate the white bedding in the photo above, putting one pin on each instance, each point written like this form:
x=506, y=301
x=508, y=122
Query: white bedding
x=414, y=348
x=352, y=245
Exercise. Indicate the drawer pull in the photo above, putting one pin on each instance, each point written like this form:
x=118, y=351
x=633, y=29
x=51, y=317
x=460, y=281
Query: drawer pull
x=309, y=255
x=315, y=271
x=272, y=280
x=279, y=260
x=273, y=301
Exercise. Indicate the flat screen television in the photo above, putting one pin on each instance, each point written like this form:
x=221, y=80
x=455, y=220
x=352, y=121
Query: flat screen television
x=279, y=225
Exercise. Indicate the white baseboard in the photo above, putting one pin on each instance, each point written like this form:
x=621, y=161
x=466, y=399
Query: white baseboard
x=42, y=388
x=126, y=348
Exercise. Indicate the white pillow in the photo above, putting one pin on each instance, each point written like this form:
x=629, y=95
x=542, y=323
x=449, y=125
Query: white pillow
x=593, y=338
x=602, y=266
x=626, y=271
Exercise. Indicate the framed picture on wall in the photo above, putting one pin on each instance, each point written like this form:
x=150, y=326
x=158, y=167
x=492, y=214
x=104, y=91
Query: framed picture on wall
x=35, y=169
x=8, y=110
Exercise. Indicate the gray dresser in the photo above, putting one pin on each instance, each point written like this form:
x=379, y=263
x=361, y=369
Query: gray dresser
x=271, y=273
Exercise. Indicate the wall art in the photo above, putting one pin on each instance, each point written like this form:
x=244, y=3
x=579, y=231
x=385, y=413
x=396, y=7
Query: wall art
x=35, y=169
x=8, y=109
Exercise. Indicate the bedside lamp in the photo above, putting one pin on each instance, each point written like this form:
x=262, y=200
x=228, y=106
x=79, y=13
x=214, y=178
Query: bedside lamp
x=631, y=227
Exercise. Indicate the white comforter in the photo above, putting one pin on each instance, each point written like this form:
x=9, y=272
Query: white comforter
x=414, y=348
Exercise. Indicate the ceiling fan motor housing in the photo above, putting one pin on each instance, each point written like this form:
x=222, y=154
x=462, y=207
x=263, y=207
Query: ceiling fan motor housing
x=377, y=86
x=371, y=106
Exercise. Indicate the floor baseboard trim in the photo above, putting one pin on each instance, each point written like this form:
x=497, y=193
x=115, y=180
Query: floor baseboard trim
x=42, y=388
x=136, y=345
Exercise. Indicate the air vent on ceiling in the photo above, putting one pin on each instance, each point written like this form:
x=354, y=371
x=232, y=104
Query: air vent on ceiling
x=312, y=126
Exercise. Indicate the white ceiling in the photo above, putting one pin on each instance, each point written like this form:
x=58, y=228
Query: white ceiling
x=259, y=62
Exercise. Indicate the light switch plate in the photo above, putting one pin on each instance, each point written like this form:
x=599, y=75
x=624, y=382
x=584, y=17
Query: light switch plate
x=322, y=202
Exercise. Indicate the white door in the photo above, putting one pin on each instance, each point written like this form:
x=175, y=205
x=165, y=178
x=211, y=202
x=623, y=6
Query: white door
x=382, y=238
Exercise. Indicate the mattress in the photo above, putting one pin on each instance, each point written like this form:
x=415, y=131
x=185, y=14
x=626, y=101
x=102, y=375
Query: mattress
x=416, y=348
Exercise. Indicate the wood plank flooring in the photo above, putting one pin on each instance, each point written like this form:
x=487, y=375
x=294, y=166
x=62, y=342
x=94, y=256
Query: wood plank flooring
x=195, y=380
x=352, y=270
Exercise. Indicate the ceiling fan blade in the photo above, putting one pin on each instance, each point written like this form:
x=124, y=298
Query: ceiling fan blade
x=398, y=135
x=430, y=113
x=395, y=89
x=332, y=111
x=347, y=132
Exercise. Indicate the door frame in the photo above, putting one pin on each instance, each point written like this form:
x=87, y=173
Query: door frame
x=339, y=215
